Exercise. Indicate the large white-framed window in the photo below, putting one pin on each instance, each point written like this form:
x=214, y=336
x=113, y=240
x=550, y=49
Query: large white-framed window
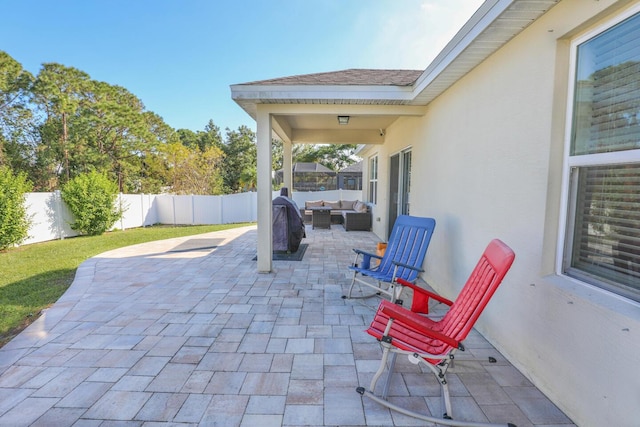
x=601, y=244
x=373, y=179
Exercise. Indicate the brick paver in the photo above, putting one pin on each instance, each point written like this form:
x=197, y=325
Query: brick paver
x=157, y=333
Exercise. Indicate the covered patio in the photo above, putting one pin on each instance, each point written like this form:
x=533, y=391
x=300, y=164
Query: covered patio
x=187, y=332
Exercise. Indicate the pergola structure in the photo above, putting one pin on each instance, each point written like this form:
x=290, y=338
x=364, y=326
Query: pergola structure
x=305, y=109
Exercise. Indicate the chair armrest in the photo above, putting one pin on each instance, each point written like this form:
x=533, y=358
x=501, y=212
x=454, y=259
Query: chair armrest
x=415, y=321
x=366, y=258
x=424, y=292
x=369, y=254
x=412, y=267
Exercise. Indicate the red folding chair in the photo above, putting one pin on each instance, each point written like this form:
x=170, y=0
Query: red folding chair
x=435, y=342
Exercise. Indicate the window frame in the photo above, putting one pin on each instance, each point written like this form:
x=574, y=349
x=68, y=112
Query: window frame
x=374, y=170
x=572, y=162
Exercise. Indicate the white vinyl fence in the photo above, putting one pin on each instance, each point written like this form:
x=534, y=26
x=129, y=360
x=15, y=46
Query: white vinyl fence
x=50, y=217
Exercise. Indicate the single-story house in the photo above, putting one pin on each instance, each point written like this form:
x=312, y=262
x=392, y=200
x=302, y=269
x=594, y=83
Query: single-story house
x=526, y=127
x=350, y=177
x=310, y=177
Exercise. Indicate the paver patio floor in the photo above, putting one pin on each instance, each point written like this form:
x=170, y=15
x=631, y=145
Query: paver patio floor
x=186, y=332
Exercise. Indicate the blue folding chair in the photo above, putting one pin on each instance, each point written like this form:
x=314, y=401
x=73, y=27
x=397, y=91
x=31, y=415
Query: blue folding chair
x=403, y=258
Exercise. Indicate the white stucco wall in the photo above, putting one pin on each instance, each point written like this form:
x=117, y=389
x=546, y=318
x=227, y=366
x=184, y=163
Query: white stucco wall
x=487, y=162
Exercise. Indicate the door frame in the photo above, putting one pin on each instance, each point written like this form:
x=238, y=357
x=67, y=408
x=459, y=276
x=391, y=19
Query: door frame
x=399, y=185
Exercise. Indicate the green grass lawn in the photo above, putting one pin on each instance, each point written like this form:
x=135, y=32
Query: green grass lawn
x=33, y=277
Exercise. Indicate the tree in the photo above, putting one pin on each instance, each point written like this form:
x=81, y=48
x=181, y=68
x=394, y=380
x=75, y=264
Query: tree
x=58, y=91
x=91, y=198
x=197, y=169
x=334, y=156
x=114, y=130
x=188, y=138
x=240, y=154
x=14, y=223
x=191, y=171
x=248, y=179
x=201, y=140
x=277, y=154
x=211, y=137
x=15, y=115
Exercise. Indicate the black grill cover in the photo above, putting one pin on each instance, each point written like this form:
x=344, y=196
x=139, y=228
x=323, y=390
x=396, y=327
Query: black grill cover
x=289, y=225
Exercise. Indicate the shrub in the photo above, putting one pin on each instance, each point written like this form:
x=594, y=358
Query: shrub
x=14, y=223
x=91, y=198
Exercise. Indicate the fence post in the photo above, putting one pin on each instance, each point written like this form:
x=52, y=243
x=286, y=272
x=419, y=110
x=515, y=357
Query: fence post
x=121, y=212
x=58, y=197
x=221, y=209
x=193, y=210
x=173, y=201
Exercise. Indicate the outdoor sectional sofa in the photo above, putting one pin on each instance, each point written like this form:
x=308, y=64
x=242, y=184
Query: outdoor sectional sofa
x=352, y=214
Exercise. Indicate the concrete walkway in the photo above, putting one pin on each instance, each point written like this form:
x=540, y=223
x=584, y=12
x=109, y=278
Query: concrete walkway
x=186, y=332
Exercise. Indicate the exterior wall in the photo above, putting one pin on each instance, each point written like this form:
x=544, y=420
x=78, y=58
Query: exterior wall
x=487, y=162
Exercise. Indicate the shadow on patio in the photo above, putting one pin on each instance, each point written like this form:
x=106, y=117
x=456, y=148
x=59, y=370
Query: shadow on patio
x=189, y=333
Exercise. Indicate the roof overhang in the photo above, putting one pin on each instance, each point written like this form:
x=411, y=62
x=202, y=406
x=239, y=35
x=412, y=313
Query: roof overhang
x=305, y=113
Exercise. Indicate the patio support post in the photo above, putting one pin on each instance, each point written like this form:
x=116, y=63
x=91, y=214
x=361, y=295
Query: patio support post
x=265, y=243
x=287, y=167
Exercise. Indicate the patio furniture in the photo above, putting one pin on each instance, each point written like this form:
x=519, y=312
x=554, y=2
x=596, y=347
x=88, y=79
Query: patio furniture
x=434, y=343
x=356, y=221
x=352, y=214
x=288, y=228
x=403, y=258
x=320, y=218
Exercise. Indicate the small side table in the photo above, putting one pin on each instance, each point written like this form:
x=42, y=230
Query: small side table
x=321, y=218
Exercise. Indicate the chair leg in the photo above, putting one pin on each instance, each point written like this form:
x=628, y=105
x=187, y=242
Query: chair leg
x=396, y=291
x=383, y=364
x=446, y=399
x=390, y=370
x=353, y=281
x=362, y=283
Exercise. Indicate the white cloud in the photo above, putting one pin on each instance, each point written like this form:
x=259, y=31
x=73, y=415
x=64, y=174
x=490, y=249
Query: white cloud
x=410, y=37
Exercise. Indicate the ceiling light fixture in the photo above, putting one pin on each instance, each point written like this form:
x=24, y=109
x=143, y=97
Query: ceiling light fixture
x=343, y=120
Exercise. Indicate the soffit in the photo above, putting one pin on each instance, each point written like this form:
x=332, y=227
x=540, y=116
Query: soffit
x=493, y=25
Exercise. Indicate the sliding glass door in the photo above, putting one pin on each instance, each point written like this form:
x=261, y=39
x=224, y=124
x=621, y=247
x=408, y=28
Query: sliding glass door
x=399, y=185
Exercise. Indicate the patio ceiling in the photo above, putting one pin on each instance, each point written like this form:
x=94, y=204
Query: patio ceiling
x=305, y=108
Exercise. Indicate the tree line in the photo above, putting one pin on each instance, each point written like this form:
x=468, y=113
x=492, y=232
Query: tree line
x=60, y=124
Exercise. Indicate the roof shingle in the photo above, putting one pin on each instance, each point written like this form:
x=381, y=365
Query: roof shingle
x=354, y=76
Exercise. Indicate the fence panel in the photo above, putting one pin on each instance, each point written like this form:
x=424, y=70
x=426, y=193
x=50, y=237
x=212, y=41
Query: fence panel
x=50, y=217
x=208, y=209
x=137, y=211
x=241, y=207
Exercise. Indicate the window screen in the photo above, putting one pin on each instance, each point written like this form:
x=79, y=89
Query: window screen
x=603, y=245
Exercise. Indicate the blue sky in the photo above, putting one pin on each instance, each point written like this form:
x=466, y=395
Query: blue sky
x=180, y=56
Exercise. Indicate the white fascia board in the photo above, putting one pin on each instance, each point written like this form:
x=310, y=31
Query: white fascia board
x=479, y=22
x=345, y=109
x=320, y=92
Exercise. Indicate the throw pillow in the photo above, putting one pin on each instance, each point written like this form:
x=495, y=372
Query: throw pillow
x=313, y=204
x=332, y=205
x=359, y=206
x=347, y=204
